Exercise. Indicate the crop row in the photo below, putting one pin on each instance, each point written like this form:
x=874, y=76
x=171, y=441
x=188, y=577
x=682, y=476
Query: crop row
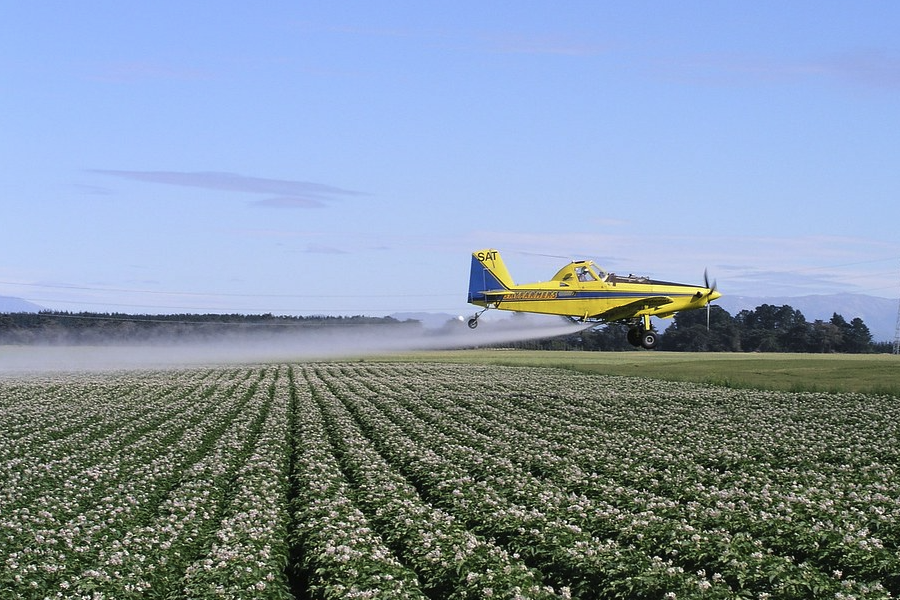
x=413, y=481
x=139, y=488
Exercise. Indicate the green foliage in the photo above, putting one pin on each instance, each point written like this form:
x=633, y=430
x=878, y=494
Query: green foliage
x=64, y=328
x=461, y=481
x=765, y=329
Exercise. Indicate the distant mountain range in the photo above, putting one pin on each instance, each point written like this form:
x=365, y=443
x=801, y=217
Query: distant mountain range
x=8, y=304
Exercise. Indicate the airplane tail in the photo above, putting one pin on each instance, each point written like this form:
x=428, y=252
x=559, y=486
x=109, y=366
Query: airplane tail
x=488, y=273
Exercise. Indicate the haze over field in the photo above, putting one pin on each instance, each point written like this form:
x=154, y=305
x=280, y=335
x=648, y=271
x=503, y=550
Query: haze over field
x=329, y=342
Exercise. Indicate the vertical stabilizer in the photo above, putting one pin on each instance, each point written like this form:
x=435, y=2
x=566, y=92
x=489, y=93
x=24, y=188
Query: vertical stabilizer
x=488, y=273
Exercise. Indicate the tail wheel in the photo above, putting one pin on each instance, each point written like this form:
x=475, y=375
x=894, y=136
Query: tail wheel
x=649, y=339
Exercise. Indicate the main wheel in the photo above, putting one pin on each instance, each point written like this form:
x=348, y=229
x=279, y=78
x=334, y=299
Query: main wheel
x=634, y=336
x=473, y=323
x=649, y=339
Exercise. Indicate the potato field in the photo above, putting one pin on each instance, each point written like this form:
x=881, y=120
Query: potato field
x=413, y=481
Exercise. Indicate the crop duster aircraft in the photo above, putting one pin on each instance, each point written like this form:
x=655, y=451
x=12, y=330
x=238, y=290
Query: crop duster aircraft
x=584, y=292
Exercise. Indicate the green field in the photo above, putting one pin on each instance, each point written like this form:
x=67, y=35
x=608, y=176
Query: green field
x=864, y=373
x=434, y=480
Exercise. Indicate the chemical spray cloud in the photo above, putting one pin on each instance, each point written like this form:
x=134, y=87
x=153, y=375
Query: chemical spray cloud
x=305, y=345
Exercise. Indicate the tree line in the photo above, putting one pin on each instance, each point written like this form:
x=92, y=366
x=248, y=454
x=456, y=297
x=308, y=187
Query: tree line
x=766, y=328
x=86, y=328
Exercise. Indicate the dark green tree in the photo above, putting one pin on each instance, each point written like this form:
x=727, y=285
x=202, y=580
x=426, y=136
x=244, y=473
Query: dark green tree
x=771, y=328
x=825, y=337
x=689, y=332
x=855, y=336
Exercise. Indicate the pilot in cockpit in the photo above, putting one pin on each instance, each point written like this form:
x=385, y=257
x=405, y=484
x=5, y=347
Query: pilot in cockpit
x=584, y=274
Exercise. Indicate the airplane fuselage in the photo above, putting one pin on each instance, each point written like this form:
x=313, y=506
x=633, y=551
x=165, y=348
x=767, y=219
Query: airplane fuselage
x=592, y=300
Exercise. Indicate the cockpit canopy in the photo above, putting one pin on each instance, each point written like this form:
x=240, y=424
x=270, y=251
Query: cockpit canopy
x=580, y=271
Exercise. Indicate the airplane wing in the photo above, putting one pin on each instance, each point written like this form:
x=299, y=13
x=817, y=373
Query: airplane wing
x=632, y=309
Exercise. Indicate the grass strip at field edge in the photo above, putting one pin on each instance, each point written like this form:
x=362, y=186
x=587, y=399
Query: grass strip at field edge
x=876, y=374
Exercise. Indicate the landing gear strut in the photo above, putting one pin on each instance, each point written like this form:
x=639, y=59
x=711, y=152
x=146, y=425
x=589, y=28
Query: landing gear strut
x=643, y=334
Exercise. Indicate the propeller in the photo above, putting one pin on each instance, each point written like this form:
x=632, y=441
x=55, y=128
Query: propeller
x=711, y=288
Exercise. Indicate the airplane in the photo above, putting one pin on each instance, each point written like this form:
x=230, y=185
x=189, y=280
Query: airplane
x=585, y=293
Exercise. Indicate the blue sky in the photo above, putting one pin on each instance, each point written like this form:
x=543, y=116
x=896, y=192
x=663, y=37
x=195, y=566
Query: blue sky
x=346, y=158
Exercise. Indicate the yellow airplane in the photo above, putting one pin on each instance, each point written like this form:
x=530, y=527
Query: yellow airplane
x=584, y=292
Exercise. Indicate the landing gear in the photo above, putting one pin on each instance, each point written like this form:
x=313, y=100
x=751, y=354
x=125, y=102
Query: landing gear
x=646, y=338
x=634, y=336
x=642, y=334
x=649, y=339
x=473, y=322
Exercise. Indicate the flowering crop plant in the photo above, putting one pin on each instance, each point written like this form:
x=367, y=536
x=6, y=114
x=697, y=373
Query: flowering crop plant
x=424, y=481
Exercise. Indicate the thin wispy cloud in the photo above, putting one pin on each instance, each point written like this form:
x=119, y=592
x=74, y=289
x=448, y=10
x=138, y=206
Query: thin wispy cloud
x=871, y=68
x=375, y=32
x=544, y=45
x=730, y=69
x=797, y=282
x=875, y=69
x=130, y=72
x=503, y=42
x=93, y=190
x=322, y=249
x=280, y=193
x=288, y=202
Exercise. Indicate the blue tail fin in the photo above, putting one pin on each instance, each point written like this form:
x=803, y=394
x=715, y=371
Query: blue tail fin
x=488, y=274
